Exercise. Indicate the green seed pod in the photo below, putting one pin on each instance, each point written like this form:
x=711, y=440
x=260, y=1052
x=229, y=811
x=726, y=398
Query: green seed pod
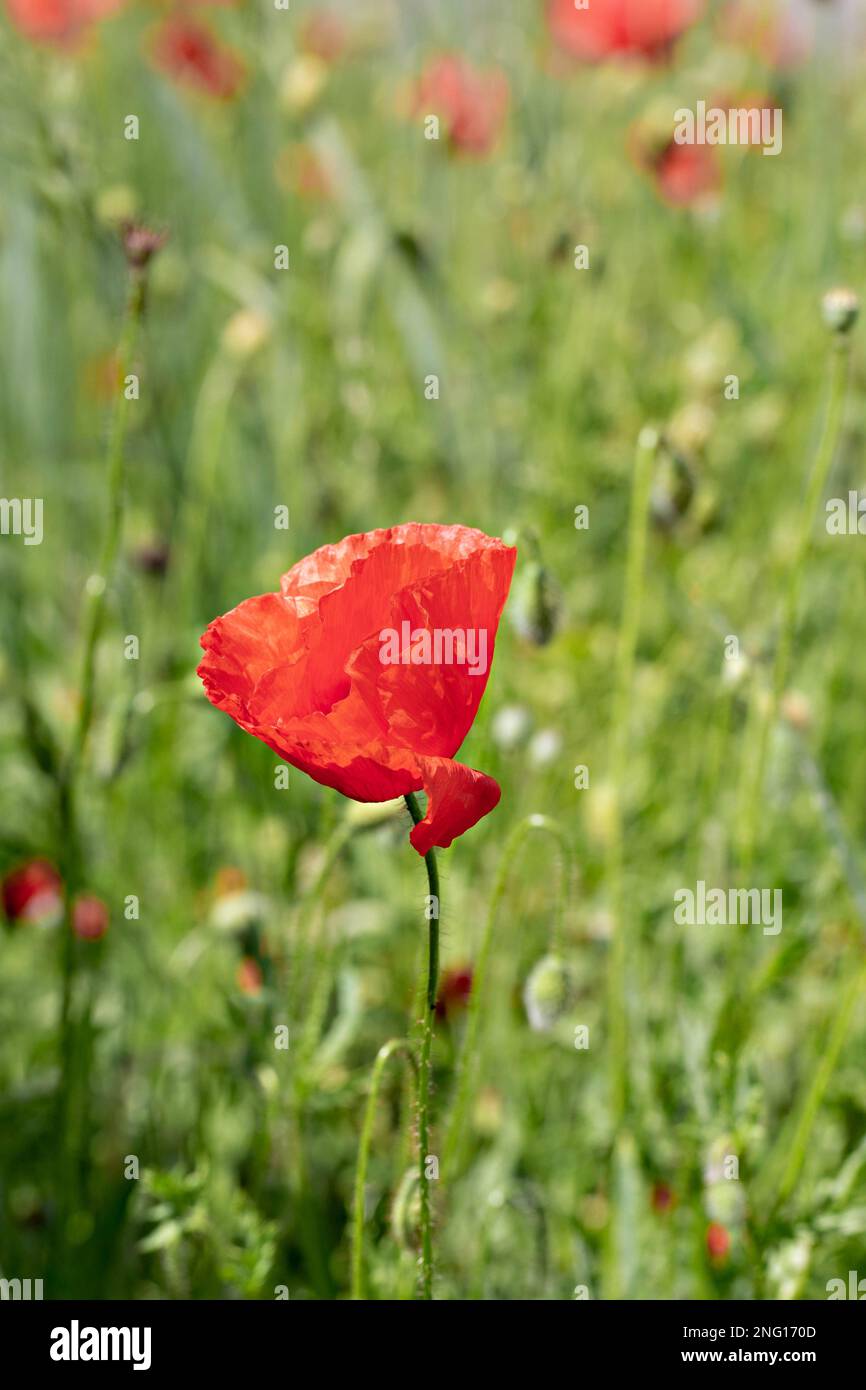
x=547, y=992
x=406, y=1212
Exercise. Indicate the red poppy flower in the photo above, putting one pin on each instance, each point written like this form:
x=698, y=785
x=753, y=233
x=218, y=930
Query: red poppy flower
x=32, y=892
x=454, y=991
x=620, y=28
x=89, y=918
x=190, y=53
x=60, y=22
x=472, y=105
x=366, y=670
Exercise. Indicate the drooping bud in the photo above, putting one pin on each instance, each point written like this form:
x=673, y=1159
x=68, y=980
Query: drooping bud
x=535, y=600
x=547, y=992
x=406, y=1211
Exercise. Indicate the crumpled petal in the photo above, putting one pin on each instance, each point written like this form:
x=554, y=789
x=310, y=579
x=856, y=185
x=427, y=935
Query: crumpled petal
x=457, y=798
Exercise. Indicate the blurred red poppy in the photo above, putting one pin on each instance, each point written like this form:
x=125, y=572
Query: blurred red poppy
x=472, y=105
x=684, y=175
x=60, y=22
x=89, y=918
x=454, y=991
x=718, y=1242
x=625, y=28
x=32, y=892
x=345, y=673
x=188, y=51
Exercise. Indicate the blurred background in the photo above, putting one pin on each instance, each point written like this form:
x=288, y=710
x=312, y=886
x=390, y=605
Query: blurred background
x=365, y=325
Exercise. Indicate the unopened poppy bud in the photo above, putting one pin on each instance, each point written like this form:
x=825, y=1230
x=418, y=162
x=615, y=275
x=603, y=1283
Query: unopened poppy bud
x=535, y=604
x=673, y=489
x=406, y=1211
x=547, y=993
x=840, y=308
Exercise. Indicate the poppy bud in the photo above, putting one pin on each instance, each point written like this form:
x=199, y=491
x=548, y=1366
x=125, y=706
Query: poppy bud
x=535, y=604
x=547, y=993
x=89, y=918
x=840, y=308
x=406, y=1212
x=673, y=488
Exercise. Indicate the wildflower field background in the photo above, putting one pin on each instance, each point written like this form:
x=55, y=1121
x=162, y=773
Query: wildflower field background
x=347, y=325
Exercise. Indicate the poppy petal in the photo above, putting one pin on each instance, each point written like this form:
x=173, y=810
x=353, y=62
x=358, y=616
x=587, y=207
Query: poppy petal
x=457, y=798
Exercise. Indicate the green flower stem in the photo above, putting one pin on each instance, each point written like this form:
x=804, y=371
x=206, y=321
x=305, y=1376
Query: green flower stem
x=630, y=623
x=72, y=1087
x=98, y=584
x=383, y=1057
x=467, y=1061
x=424, y=1064
x=757, y=761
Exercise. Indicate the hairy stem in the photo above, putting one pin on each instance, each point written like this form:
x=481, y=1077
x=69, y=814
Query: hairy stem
x=425, y=1060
